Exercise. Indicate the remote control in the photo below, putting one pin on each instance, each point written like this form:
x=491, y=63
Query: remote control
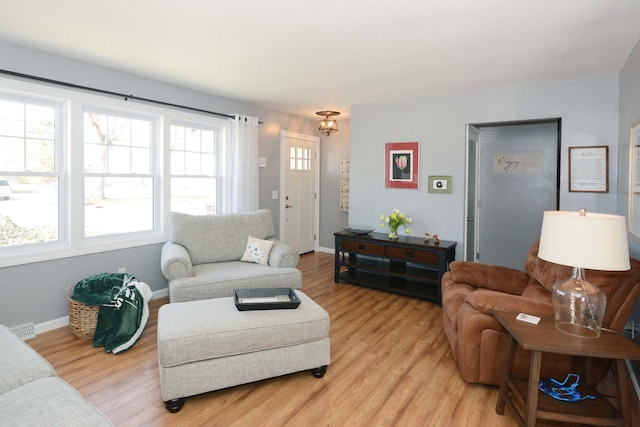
x=528, y=318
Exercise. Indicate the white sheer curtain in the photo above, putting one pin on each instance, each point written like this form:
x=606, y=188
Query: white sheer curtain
x=240, y=166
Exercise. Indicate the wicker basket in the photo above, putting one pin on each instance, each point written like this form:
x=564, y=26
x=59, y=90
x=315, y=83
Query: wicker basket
x=82, y=318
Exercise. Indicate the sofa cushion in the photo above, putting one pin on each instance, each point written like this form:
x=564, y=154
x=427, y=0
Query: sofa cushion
x=218, y=238
x=219, y=279
x=257, y=250
x=48, y=402
x=19, y=363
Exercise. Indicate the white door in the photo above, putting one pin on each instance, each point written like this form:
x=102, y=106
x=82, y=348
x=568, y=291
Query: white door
x=298, y=201
x=517, y=180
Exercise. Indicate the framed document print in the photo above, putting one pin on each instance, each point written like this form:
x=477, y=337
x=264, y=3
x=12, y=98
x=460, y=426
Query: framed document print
x=589, y=169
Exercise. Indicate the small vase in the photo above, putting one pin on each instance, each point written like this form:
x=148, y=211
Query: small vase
x=393, y=233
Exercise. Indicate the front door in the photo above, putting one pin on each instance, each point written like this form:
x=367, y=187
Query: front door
x=298, y=204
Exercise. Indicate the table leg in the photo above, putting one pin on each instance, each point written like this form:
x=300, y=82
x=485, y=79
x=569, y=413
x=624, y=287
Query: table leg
x=623, y=384
x=532, y=394
x=508, y=365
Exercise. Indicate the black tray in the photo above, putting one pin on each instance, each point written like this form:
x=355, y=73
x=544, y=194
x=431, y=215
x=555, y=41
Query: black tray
x=266, y=294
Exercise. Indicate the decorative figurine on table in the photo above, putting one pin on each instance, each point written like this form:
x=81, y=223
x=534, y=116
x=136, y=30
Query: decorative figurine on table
x=436, y=239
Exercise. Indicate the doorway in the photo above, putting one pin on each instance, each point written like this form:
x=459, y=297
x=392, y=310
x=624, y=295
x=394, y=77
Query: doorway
x=299, y=189
x=513, y=176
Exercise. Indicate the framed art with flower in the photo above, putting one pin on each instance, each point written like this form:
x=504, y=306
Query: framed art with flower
x=401, y=165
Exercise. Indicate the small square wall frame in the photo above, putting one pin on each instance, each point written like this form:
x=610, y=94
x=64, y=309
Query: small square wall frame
x=440, y=184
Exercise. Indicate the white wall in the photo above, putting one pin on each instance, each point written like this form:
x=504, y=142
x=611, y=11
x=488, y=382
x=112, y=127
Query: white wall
x=333, y=148
x=589, y=113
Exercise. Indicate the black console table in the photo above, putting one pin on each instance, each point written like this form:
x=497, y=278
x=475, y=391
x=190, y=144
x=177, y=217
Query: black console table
x=408, y=265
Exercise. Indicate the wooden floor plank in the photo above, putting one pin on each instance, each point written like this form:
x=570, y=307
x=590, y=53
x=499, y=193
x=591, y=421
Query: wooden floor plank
x=390, y=366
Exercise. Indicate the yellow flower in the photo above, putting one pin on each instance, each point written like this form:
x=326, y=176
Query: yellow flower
x=395, y=220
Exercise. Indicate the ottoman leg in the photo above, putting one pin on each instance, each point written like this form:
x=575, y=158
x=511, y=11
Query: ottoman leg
x=319, y=371
x=174, y=405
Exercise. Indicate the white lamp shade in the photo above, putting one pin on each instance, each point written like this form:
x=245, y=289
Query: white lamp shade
x=594, y=241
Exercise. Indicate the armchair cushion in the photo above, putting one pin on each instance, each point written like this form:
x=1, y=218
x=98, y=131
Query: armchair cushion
x=218, y=238
x=502, y=279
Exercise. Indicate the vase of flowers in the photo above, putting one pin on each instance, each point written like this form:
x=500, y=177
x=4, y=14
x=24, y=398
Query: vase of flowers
x=395, y=220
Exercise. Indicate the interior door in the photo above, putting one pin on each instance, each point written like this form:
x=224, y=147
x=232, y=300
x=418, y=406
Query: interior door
x=517, y=180
x=298, y=205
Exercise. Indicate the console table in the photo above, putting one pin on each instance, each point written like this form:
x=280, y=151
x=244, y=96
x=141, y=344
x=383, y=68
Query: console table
x=408, y=265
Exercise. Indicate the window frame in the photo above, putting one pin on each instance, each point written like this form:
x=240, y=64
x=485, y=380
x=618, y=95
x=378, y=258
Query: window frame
x=71, y=241
x=219, y=128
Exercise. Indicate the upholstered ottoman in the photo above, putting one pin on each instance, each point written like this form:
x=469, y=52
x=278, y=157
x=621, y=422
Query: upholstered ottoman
x=208, y=345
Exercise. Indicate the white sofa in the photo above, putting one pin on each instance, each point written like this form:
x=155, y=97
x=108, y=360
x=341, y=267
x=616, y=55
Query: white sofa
x=201, y=260
x=31, y=394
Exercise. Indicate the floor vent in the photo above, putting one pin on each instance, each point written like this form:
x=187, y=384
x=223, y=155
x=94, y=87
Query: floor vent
x=24, y=332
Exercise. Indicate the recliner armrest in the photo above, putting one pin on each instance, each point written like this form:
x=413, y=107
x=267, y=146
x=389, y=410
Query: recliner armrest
x=493, y=277
x=487, y=301
x=175, y=262
x=282, y=255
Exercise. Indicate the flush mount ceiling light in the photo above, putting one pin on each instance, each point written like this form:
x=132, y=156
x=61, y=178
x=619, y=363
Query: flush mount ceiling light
x=327, y=124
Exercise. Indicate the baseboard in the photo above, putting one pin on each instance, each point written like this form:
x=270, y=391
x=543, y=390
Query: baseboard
x=63, y=322
x=325, y=250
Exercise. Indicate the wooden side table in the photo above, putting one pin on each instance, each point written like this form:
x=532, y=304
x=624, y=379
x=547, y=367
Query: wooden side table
x=544, y=337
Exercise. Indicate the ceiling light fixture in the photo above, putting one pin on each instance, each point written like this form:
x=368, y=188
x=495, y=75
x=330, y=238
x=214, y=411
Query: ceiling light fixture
x=327, y=124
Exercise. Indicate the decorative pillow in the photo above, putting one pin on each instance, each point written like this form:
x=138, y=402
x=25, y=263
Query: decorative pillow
x=257, y=250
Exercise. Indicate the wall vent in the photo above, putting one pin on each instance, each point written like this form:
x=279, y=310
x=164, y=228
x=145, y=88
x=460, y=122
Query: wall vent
x=24, y=332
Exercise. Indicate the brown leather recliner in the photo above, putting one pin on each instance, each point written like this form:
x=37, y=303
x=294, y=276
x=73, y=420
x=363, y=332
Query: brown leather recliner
x=471, y=291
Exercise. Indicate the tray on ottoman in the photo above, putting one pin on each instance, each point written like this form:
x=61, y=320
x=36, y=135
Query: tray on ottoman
x=265, y=299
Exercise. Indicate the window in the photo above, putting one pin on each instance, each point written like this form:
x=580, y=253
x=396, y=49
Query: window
x=30, y=170
x=81, y=173
x=118, y=172
x=194, y=155
x=299, y=159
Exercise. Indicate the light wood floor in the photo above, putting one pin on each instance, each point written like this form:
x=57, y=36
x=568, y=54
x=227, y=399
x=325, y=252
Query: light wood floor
x=390, y=366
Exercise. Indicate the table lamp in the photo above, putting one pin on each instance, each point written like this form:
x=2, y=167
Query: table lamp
x=583, y=241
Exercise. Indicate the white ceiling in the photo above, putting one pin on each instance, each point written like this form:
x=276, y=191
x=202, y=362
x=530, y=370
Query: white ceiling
x=302, y=56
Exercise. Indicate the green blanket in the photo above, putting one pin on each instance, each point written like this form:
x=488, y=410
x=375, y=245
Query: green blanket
x=123, y=309
x=100, y=289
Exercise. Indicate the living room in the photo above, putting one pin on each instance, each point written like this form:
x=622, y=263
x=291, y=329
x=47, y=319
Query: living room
x=596, y=110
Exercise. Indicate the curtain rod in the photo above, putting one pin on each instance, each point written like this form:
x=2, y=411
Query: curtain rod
x=107, y=92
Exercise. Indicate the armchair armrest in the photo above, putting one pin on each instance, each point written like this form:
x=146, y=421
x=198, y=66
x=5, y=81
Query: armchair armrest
x=175, y=262
x=282, y=255
x=486, y=301
x=493, y=277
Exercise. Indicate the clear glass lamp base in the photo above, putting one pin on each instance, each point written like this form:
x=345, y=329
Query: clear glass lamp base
x=578, y=306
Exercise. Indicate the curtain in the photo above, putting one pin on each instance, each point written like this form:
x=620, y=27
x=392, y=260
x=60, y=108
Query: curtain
x=240, y=166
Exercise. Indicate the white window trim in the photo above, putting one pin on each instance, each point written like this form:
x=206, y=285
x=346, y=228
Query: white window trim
x=71, y=241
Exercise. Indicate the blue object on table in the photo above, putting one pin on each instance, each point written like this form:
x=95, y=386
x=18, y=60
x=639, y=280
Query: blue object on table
x=562, y=390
